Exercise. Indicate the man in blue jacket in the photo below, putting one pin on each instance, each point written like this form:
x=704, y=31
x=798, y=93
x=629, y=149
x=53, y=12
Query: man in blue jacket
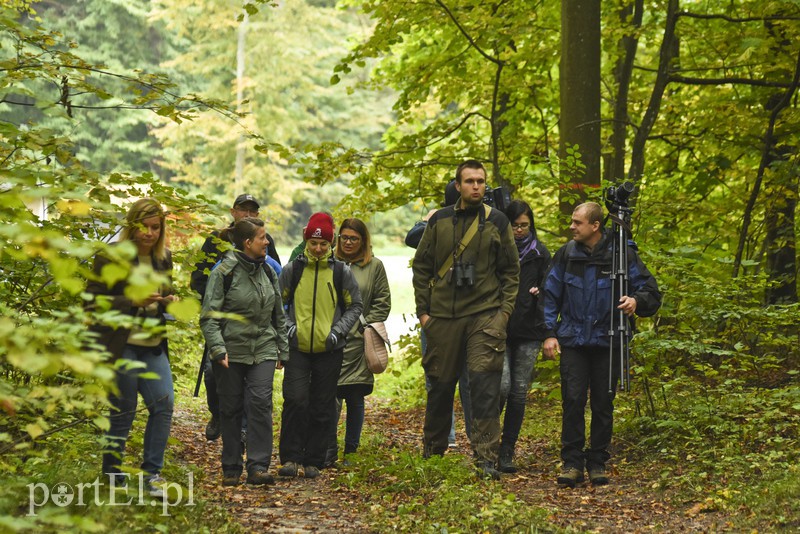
x=576, y=309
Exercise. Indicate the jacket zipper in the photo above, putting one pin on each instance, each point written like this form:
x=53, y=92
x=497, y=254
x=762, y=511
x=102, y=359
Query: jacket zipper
x=314, y=305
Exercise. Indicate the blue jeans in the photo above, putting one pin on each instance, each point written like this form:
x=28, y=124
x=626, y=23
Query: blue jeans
x=517, y=370
x=158, y=396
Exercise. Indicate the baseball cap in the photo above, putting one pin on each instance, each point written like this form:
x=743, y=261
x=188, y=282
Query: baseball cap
x=241, y=199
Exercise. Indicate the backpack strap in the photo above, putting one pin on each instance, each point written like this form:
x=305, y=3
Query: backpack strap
x=338, y=281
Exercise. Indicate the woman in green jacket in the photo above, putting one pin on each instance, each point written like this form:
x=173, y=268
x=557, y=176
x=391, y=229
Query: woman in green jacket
x=245, y=350
x=356, y=380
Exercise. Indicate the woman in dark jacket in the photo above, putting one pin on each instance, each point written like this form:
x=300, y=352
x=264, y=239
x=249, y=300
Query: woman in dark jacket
x=524, y=340
x=245, y=351
x=145, y=228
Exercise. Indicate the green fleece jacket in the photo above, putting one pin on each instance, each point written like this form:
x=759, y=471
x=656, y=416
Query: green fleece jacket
x=313, y=313
x=492, y=252
x=259, y=332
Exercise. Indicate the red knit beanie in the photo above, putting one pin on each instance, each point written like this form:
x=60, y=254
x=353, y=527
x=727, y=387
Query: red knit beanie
x=320, y=226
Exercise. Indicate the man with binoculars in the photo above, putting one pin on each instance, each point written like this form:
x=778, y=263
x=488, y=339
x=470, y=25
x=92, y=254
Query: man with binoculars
x=466, y=275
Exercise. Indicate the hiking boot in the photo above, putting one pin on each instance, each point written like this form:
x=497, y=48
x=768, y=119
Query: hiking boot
x=310, y=471
x=598, y=476
x=213, y=431
x=259, y=476
x=570, y=477
x=289, y=469
x=230, y=479
x=505, y=463
x=154, y=485
x=487, y=471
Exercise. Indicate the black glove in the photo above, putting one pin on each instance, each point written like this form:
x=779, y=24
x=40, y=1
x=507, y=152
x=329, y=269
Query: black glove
x=330, y=343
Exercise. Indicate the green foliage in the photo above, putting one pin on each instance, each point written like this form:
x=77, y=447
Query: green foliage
x=439, y=494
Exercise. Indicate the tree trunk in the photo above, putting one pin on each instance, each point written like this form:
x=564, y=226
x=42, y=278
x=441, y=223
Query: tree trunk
x=580, y=101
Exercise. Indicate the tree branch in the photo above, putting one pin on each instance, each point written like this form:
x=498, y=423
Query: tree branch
x=467, y=36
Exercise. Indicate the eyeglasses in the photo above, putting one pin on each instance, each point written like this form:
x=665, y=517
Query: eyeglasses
x=350, y=238
x=523, y=226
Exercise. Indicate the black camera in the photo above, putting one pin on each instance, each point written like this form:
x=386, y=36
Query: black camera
x=464, y=274
x=617, y=197
x=498, y=198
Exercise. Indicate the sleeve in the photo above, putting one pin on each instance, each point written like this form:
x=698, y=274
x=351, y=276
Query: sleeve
x=643, y=285
x=414, y=235
x=352, y=297
x=98, y=287
x=507, y=269
x=550, y=296
x=209, y=255
x=279, y=322
x=212, y=326
x=422, y=267
x=381, y=302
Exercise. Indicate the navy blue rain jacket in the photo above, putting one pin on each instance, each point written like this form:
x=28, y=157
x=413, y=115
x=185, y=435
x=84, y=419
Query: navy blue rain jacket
x=576, y=301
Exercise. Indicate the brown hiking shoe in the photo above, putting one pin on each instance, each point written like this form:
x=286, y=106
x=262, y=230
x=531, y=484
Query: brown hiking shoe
x=598, y=476
x=570, y=477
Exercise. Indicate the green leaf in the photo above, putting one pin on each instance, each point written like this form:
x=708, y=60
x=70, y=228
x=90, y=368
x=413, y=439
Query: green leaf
x=185, y=309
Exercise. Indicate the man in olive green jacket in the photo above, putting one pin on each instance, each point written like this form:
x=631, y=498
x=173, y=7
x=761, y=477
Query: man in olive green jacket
x=464, y=310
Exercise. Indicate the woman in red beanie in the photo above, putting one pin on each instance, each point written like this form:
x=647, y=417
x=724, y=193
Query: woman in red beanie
x=323, y=303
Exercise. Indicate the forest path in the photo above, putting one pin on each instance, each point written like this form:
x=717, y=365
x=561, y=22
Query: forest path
x=630, y=503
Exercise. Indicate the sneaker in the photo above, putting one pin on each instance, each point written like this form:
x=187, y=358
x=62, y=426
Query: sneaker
x=598, y=476
x=230, y=479
x=570, y=477
x=154, y=485
x=505, y=464
x=213, y=430
x=310, y=471
x=487, y=471
x=259, y=476
x=452, y=445
x=289, y=469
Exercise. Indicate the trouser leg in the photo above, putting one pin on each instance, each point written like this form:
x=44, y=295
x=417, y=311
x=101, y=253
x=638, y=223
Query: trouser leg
x=258, y=405
x=212, y=398
x=354, y=422
x=294, y=417
x=601, y=402
x=521, y=357
x=575, y=370
x=325, y=370
x=159, y=397
x=123, y=412
x=230, y=385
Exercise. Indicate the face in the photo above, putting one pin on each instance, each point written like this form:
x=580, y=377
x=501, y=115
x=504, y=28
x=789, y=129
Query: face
x=350, y=242
x=257, y=246
x=521, y=226
x=582, y=230
x=472, y=186
x=318, y=247
x=241, y=211
x=147, y=233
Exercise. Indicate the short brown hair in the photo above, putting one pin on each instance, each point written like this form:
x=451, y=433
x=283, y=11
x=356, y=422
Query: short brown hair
x=469, y=164
x=594, y=212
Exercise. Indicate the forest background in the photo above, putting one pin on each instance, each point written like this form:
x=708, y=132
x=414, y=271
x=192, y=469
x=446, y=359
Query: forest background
x=364, y=107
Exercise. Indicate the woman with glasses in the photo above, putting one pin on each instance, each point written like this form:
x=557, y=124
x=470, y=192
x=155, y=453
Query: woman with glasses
x=355, y=380
x=524, y=338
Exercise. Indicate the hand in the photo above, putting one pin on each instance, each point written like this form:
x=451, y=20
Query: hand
x=169, y=298
x=330, y=343
x=279, y=365
x=551, y=348
x=423, y=319
x=534, y=291
x=224, y=361
x=627, y=305
x=154, y=297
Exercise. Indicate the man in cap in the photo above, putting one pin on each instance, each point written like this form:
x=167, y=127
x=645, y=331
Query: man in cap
x=245, y=205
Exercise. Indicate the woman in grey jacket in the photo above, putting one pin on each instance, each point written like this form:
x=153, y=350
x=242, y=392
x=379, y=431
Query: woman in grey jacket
x=245, y=350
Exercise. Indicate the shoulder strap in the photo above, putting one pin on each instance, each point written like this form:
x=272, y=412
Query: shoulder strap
x=297, y=273
x=462, y=244
x=268, y=272
x=338, y=282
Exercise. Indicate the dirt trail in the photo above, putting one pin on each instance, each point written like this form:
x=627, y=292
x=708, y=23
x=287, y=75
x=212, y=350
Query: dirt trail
x=298, y=505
